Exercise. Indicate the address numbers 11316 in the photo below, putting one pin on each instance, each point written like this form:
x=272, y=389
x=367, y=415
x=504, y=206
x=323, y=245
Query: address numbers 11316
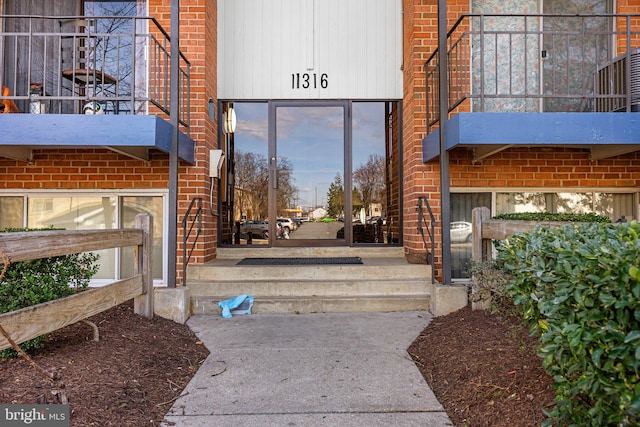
x=309, y=80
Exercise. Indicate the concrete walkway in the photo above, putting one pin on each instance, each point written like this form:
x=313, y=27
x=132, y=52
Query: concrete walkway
x=333, y=369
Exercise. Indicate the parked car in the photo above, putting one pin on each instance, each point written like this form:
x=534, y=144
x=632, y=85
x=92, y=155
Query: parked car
x=461, y=232
x=259, y=229
x=374, y=220
x=288, y=224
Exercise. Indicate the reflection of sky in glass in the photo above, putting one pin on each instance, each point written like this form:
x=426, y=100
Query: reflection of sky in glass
x=311, y=139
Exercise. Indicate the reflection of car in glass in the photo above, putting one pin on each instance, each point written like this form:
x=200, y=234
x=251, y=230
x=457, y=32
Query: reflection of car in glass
x=460, y=232
x=374, y=220
x=256, y=228
x=288, y=224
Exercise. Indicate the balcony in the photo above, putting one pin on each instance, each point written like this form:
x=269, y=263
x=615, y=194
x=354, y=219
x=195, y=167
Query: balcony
x=90, y=81
x=538, y=80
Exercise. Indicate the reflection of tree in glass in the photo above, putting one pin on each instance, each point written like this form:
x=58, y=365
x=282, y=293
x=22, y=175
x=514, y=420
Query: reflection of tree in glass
x=287, y=191
x=252, y=184
x=604, y=204
x=572, y=203
x=335, y=197
x=114, y=51
x=532, y=200
x=370, y=181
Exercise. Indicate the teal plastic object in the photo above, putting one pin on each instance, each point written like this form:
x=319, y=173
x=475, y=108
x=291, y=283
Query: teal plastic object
x=237, y=305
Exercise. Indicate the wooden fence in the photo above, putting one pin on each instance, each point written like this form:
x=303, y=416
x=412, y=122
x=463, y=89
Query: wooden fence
x=31, y=322
x=486, y=229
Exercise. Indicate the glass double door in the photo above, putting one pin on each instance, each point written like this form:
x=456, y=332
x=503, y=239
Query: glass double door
x=310, y=173
x=309, y=164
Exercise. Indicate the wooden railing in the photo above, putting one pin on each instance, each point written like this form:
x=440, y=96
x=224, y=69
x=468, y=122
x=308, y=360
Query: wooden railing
x=31, y=322
x=485, y=230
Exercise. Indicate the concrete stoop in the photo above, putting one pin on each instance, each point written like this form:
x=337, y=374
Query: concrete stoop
x=385, y=282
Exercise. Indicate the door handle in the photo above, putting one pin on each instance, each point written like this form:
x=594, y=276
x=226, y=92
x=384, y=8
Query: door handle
x=273, y=170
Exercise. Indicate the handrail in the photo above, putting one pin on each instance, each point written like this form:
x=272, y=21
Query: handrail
x=476, y=86
x=135, y=56
x=197, y=216
x=430, y=231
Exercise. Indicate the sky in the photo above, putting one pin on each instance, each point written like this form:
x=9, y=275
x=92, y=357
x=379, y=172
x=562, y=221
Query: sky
x=311, y=138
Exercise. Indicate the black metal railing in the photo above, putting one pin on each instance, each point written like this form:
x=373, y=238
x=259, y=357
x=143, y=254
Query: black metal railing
x=538, y=63
x=430, y=226
x=58, y=64
x=189, y=222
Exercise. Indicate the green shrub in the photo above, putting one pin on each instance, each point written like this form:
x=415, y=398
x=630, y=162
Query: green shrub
x=545, y=216
x=579, y=288
x=36, y=281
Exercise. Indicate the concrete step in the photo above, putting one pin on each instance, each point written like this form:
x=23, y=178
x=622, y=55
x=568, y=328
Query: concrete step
x=273, y=305
x=306, y=288
x=384, y=268
x=385, y=281
x=261, y=251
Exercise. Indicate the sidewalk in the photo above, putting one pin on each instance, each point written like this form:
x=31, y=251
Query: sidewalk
x=332, y=369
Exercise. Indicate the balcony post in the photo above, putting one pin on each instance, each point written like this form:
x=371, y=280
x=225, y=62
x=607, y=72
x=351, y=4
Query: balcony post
x=445, y=197
x=174, y=119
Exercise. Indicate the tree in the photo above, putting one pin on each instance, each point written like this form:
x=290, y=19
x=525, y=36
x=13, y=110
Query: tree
x=335, y=197
x=252, y=184
x=287, y=191
x=370, y=181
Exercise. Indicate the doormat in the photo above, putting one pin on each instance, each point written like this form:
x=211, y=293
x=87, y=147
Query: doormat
x=300, y=261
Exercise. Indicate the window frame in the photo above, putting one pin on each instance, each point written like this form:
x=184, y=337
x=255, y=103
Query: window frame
x=118, y=195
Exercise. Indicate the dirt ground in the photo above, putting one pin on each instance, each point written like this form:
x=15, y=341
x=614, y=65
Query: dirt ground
x=483, y=370
x=129, y=378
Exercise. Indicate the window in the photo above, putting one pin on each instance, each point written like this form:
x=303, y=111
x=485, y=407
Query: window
x=613, y=205
x=91, y=212
x=11, y=212
x=462, y=205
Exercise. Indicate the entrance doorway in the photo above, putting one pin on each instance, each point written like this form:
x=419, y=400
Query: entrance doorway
x=309, y=168
x=289, y=166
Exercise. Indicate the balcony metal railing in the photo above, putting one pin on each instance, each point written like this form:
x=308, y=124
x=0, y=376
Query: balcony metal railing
x=538, y=63
x=58, y=64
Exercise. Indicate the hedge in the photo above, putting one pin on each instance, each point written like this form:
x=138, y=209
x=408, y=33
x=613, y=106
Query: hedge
x=578, y=286
x=36, y=281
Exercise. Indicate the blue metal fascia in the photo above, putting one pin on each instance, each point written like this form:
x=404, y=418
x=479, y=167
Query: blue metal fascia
x=78, y=130
x=538, y=129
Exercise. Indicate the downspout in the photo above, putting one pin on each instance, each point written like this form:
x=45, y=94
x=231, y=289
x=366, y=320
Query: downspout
x=174, y=118
x=445, y=197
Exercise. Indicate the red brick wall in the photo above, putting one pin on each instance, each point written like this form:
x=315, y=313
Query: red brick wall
x=420, y=41
x=199, y=43
x=544, y=168
x=517, y=167
x=84, y=169
x=103, y=169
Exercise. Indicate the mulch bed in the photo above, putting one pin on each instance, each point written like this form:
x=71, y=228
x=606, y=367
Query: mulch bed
x=129, y=378
x=483, y=369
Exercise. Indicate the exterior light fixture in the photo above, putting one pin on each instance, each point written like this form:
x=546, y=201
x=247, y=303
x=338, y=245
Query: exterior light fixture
x=230, y=121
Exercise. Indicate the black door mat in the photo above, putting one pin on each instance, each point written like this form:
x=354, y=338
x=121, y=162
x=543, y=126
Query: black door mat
x=300, y=261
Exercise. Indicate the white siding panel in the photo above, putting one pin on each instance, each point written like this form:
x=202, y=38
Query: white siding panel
x=285, y=49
